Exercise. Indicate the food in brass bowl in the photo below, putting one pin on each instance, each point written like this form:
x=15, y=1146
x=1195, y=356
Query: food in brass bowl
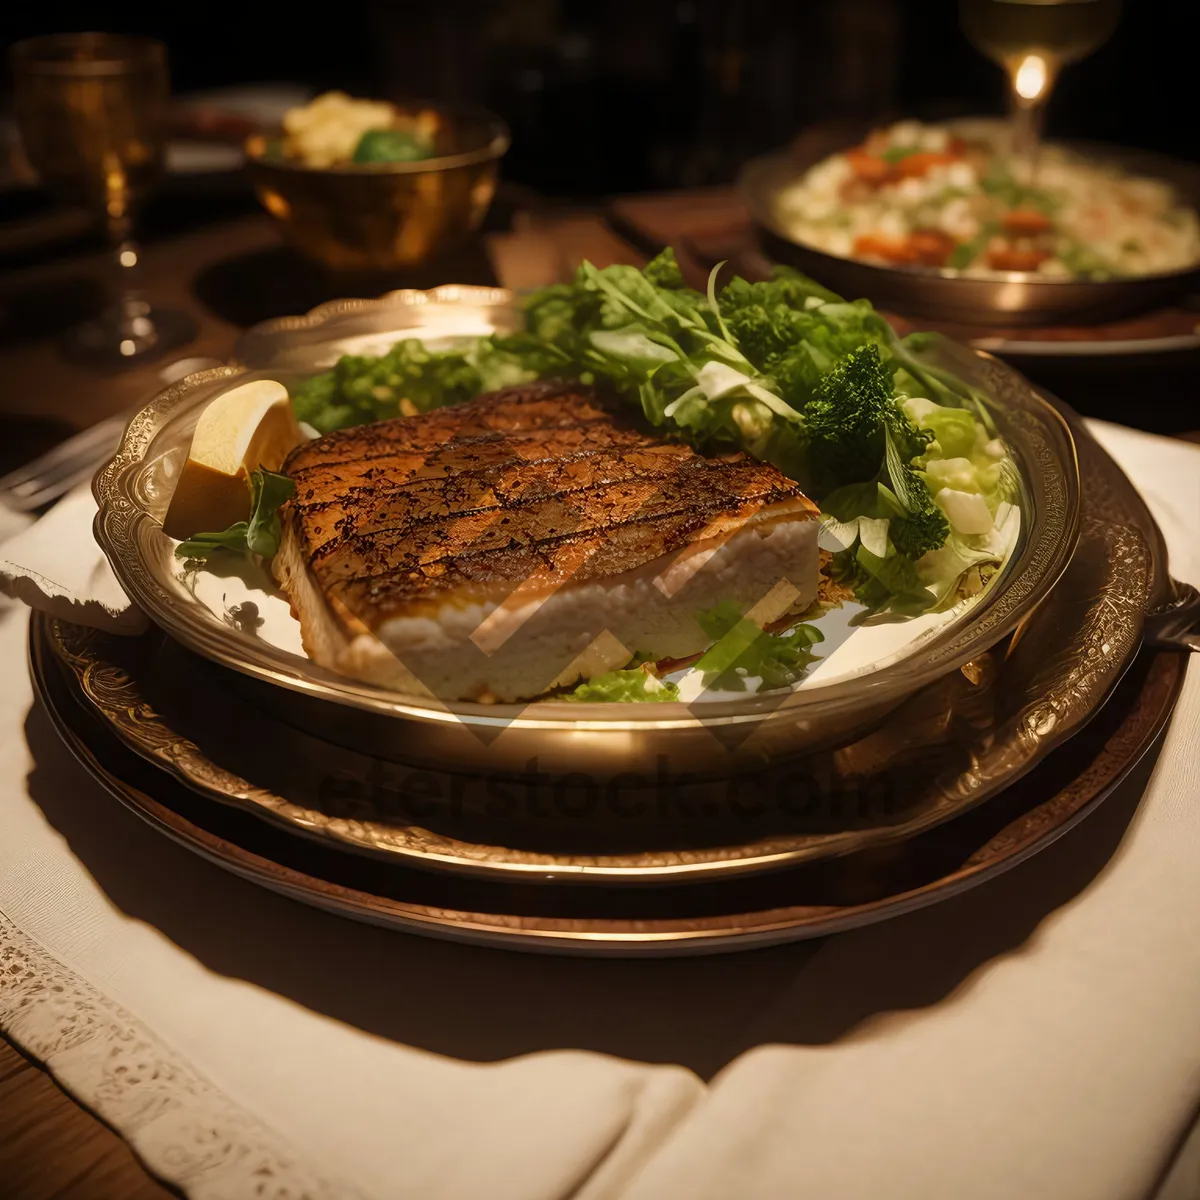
x=948, y=198
x=361, y=185
x=336, y=130
x=647, y=494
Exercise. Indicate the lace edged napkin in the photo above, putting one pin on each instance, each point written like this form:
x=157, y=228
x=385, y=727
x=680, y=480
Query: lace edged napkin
x=54, y=565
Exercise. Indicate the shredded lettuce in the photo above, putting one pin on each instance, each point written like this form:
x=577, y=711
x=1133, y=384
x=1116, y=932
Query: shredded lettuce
x=636, y=684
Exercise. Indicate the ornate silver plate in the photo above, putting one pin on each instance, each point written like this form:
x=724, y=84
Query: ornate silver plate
x=605, y=741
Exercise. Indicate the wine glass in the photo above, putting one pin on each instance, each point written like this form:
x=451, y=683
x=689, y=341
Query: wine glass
x=1033, y=40
x=92, y=110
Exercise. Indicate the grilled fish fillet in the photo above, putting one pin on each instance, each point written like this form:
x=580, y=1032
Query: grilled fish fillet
x=526, y=540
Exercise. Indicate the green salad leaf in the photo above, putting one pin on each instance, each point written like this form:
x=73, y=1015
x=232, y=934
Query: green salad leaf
x=260, y=534
x=414, y=378
x=900, y=454
x=741, y=651
x=202, y=545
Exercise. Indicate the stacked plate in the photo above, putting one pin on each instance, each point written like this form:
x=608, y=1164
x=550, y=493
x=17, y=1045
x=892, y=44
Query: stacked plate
x=917, y=762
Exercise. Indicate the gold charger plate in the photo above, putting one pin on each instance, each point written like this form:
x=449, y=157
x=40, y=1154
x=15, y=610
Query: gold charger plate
x=607, y=741
x=734, y=914
x=953, y=745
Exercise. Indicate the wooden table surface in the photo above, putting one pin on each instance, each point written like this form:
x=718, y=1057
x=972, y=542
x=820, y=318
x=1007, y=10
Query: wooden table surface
x=228, y=275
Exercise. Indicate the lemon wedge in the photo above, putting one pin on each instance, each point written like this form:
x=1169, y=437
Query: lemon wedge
x=247, y=427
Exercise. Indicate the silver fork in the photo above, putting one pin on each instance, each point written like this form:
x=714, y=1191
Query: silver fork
x=56, y=472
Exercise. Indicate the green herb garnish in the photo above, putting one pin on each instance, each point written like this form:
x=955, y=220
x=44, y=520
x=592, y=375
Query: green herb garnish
x=260, y=535
x=1002, y=184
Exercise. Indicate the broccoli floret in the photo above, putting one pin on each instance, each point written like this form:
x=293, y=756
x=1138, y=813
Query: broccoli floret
x=794, y=331
x=911, y=440
x=845, y=420
x=920, y=532
x=800, y=369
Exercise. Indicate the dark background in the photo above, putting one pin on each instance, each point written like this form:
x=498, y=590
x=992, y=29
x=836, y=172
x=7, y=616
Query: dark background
x=631, y=95
x=612, y=97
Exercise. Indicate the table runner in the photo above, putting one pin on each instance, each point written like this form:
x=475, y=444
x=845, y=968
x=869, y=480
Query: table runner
x=1038, y=1036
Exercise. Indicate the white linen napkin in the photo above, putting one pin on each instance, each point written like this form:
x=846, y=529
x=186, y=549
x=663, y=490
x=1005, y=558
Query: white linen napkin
x=249, y=1046
x=55, y=565
x=1037, y=1037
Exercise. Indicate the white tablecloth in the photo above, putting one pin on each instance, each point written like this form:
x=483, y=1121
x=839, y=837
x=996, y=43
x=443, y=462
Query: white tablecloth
x=1036, y=1037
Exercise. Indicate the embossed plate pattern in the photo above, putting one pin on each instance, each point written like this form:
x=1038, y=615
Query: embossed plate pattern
x=606, y=740
x=714, y=917
x=958, y=742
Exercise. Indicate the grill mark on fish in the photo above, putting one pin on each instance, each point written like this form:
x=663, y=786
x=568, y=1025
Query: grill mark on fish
x=508, y=460
x=392, y=515
x=481, y=441
x=540, y=409
x=356, y=509
x=581, y=567
x=651, y=497
x=522, y=466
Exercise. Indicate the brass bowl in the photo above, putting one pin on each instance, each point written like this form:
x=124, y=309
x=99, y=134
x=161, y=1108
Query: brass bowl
x=380, y=216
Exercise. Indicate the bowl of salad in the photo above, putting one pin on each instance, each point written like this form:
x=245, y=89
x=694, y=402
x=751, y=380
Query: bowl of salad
x=367, y=185
x=938, y=220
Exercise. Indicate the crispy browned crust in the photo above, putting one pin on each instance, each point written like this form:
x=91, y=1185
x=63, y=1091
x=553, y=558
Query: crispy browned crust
x=535, y=485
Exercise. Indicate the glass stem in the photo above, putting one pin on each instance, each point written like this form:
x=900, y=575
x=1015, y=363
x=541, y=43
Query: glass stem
x=1031, y=80
x=135, y=329
x=1027, y=121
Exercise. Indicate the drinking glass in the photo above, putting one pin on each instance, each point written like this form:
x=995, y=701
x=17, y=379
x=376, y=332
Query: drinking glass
x=92, y=110
x=1033, y=40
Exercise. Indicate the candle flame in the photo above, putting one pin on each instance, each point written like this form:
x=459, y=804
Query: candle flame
x=1031, y=78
